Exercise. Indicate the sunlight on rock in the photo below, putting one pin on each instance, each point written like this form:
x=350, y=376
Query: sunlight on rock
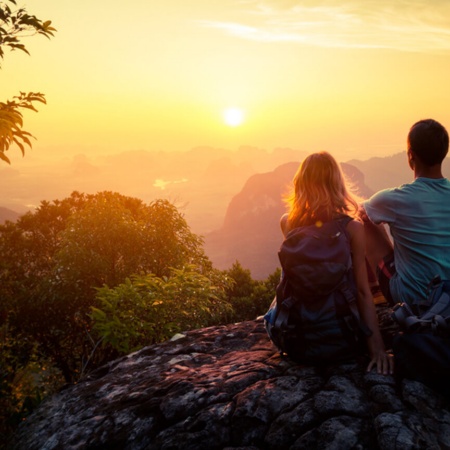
x=177, y=336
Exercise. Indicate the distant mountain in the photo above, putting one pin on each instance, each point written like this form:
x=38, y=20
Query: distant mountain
x=390, y=171
x=8, y=214
x=201, y=181
x=233, y=198
x=251, y=232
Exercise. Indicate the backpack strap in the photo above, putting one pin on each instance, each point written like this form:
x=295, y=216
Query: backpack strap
x=350, y=298
x=282, y=290
x=441, y=306
x=342, y=222
x=284, y=309
x=353, y=306
x=437, y=318
x=281, y=322
x=413, y=323
x=344, y=219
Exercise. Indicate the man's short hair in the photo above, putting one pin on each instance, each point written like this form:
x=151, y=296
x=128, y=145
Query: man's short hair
x=428, y=140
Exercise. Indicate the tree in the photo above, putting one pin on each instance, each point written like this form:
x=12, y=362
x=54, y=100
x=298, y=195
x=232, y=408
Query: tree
x=52, y=261
x=114, y=236
x=243, y=283
x=14, y=25
x=249, y=298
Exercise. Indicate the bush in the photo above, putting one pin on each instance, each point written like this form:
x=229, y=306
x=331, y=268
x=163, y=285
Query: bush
x=52, y=259
x=149, y=309
x=249, y=298
x=25, y=379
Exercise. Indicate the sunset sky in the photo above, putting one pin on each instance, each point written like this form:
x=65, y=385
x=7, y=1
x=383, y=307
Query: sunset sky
x=349, y=77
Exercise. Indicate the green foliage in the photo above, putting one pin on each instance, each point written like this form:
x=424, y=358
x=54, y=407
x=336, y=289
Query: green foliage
x=52, y=260
x=114, y=236
x=243, y=283
x=90, y=277
x=11, y=122
x=16, y=24
x=249, y=298
x=24, y=380
x=149, y=309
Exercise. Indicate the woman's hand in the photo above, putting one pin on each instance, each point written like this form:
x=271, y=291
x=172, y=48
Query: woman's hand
x=382, y=360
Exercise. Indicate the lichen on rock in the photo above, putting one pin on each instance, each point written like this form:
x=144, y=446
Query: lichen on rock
x=226, y=387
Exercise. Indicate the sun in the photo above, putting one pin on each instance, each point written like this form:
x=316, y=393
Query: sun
x=233, y=117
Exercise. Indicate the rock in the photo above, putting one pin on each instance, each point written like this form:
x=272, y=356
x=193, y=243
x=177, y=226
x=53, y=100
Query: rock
x=226, y=387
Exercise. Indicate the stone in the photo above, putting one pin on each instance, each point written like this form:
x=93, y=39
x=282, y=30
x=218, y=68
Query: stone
x=226, y=387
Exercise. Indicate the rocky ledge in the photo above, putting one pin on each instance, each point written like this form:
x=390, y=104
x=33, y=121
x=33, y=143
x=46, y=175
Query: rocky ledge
x=226, y=387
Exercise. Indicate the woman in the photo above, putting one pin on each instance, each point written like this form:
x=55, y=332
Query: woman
x=320, y=195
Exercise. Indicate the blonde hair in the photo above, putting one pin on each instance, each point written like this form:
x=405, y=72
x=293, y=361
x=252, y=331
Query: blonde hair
x=320, y=192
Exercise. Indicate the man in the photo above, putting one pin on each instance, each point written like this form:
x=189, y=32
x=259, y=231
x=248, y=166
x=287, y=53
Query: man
x=418, y=215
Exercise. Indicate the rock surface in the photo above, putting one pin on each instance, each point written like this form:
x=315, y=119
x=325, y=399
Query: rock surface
x=226, y=387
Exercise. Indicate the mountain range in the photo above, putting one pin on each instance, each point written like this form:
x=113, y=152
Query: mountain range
x=251, y=232
x=200, y=182
x=233, y=199
x=8, y=214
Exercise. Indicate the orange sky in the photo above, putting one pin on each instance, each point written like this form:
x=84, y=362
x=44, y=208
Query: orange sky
x=349, y=77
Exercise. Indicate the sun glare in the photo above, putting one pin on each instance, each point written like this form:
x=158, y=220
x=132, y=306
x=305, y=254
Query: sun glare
x=233, y=116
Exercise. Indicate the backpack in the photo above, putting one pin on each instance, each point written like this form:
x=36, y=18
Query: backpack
x=314, y=318
x=422, y=348
x=431, y=315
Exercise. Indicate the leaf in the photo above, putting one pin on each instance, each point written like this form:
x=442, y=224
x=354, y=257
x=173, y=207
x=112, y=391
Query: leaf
x=4, y=157
x=98, y=313
x=18, y=47
x=29, y=107
x=22, y=148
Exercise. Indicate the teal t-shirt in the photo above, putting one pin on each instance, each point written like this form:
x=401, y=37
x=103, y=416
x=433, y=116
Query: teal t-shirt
x=418, y=215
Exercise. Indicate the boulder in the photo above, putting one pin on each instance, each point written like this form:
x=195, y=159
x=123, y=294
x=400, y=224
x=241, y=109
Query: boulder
x=226, y=387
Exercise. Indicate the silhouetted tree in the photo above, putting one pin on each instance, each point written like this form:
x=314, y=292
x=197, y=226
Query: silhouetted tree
x=15, y=24
x=249, y=298
x=51, y=261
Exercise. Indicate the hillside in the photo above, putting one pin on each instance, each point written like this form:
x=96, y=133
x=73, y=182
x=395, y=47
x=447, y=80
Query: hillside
x=251, y=232
x=390, y=171
x=233, y=199
x=8, y=214
x=201, y=182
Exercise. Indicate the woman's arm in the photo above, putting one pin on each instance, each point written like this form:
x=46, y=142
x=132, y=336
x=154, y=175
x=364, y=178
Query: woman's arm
x=379, y=358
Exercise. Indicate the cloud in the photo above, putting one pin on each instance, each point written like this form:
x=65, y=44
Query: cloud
x=162, y=184
x=415, y=25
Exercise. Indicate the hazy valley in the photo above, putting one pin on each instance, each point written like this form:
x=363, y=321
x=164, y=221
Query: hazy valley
x=233, y=199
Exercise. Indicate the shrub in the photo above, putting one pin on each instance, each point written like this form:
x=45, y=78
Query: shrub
x=149, y=309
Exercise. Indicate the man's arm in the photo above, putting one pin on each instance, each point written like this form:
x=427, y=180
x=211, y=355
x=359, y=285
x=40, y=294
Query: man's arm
x=378, y=243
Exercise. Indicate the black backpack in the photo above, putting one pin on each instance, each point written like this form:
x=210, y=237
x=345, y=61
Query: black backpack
x=314, y=318
x=431, y=315
x=422, y=347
